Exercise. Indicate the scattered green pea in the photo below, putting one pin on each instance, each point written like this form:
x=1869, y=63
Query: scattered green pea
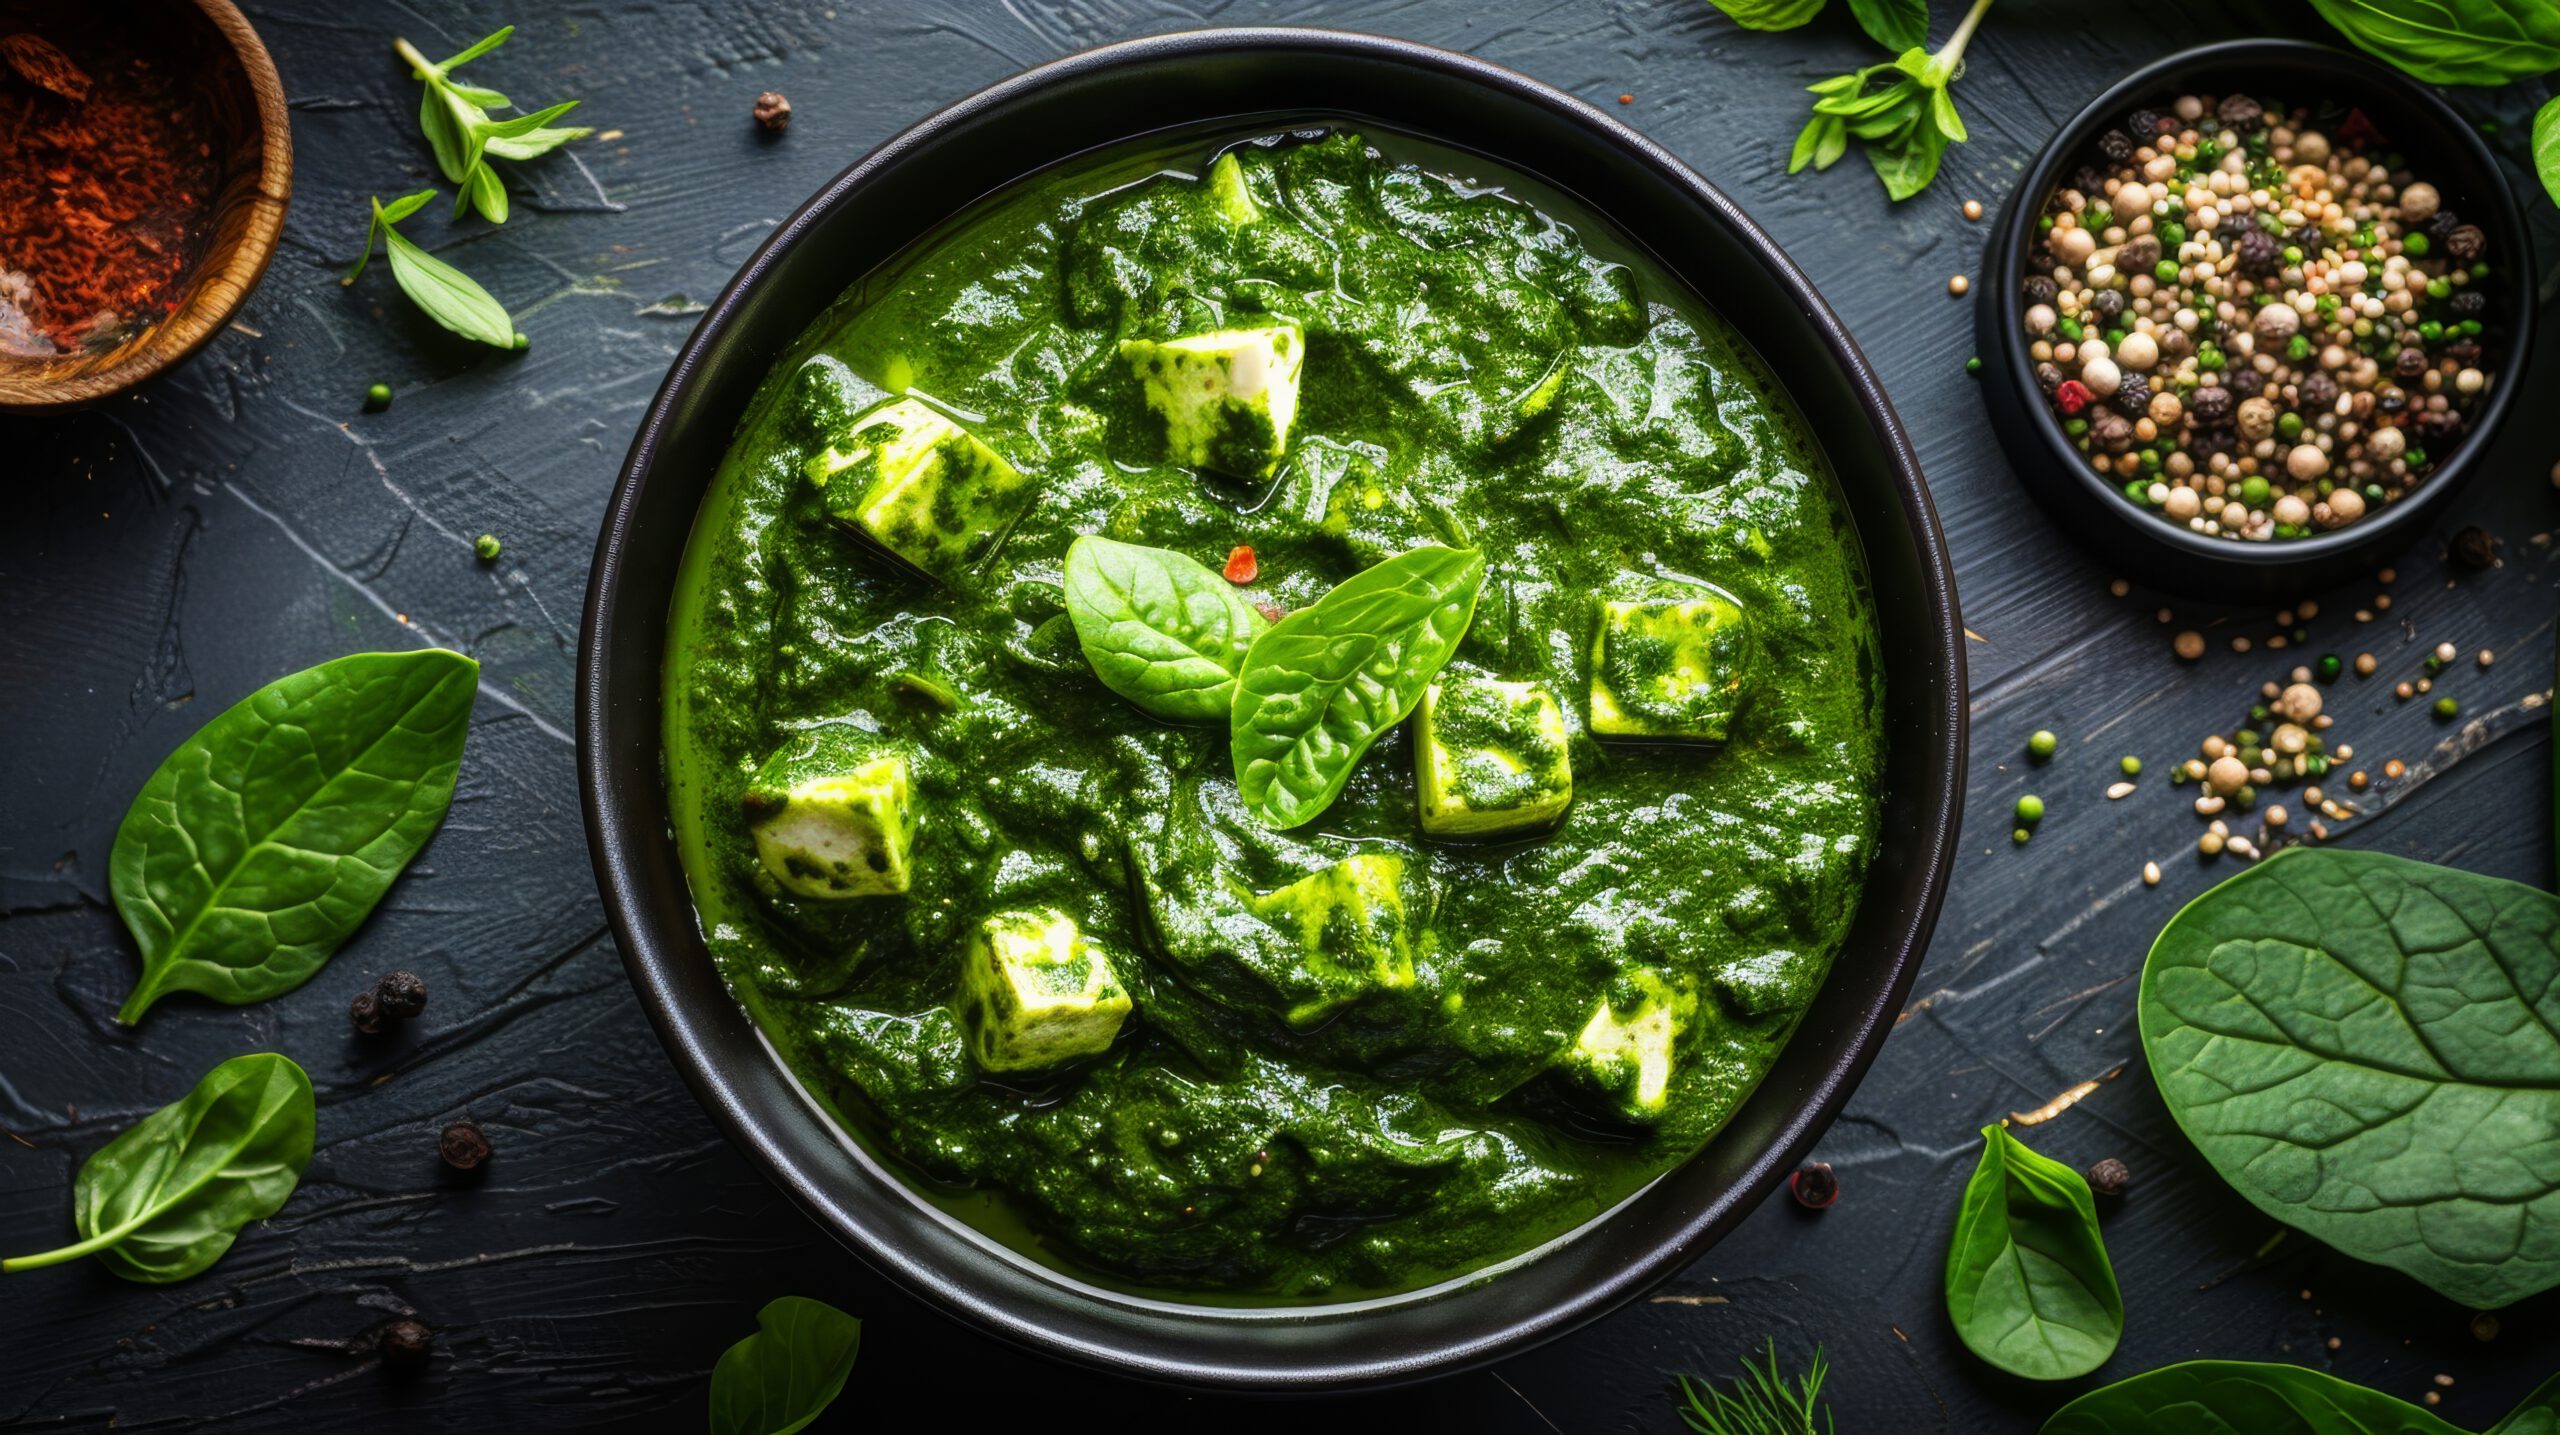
x=2415, y=243
x=378, y=397
x=2130, y=765
x=2041, y=744
x=486, y=545
x=1973, y=365
x=2330, y=667
x=2020, y=836
x=2447, y=708
x=2030, y=810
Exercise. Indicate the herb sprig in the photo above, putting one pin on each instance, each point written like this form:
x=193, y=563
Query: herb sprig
x=449, y=296
x=455, y=117
x=1901, y=111
x=1762, y=1402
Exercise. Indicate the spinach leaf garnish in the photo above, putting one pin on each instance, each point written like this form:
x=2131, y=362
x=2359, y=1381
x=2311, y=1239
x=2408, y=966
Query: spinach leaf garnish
x=1328, y=680
x=164, y=1200
x=785, y=1375
x=2241, y=1397
x=1160, y=629
x=2453, y=42
x=2368, y=1048
x=260, y=845
x=2028, y=1283
x=2546, y=162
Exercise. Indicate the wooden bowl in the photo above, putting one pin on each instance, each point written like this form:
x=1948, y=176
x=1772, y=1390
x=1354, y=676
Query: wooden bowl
x=254, y=148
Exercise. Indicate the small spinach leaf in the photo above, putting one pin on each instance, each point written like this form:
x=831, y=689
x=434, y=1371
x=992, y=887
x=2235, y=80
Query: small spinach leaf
x=1770, y=14
x=785, y=1375
x=2546, y=162
x=2242, y=1397
x=1895, y=24
x=2454, y=42
x=2028, y=1283
x=1328, y=680
x=260, y=844
x=163, y=1201
x=2539, y=1414
x=1160, y=630
x=2368, y=1048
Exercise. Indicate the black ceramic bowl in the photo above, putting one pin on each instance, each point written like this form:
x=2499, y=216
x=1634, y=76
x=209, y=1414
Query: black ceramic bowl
x=2441, y=148
x=1246, y=82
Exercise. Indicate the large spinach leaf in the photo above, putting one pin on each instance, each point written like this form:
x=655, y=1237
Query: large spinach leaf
x=2240, y=1397
x=1326, y=681
x=786, y=1374
x=2546, y=162
x=2454, y=42
x=2028, y=1283
x=2368, y=1048
x=1160, y=630
x=166, y=1199
x=264, y=840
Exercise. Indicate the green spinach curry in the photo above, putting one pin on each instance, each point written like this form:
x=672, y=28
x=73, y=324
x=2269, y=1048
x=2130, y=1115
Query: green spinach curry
x=1282, y=728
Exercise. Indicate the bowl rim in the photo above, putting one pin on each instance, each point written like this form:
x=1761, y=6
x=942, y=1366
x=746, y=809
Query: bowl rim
x=1935, y=759
x=2005, y=256
x=221, y=289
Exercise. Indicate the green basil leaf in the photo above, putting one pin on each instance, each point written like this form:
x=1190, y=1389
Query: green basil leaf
x=163, y=1201
x=2028, y=1283
x=1907, y=168
x=1810, y=140
x=1328, y=680
x=2546, y=162
x=1769, y=14
x=1894, y=24
x=1942, y=113
x=483, y=190
x=2241, y=1397
x=448, y=295
x=785, y=1375
x=1833, y=144
x=2368, y=1049
x=1160, y=630
x=1873, y=102
x=260, y=845
x=2454, y=42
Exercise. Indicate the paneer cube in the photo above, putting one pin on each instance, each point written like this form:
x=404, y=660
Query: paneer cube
x=921, y=486
x=1351, y=929
x=1490, y=758
x=831, y=817
x=1034, y=993
x=1228, y=398
x=1674, y=664
x=1627, y=1049
x=1226, y=186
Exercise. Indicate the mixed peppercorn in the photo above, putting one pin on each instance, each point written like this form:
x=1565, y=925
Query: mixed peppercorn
x=2261, y=331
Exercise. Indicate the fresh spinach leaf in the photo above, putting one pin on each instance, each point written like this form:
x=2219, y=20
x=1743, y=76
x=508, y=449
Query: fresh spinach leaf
x=449, y=296
x=2368, y=1049
x=2241, y=1397
x=164, y=1200
x=2546, y=162
x=786, y=1374
x=2028, y=1283
x=1769, y=14
x=1160, y=630
x=2454, y=42
x=1328, y=680
x=260, y=845
x=1894, y=24
x=2538, y=1415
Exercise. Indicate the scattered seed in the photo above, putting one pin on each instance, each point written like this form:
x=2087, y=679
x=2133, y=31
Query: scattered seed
x=463, y=1145
x=773, y=111
x=2129, y=765
x=2150, y=874
x=2277, y=817
x=2243, y=846
x=2365, y=665
x=2393, y=768
x=2487, y=657
x=2210, y=844
x=1958, y=284
x=2040, y=744
x=2239, y=645
x=378, y=398
x=2030, y=810
x=2447, y=709
x=1973, y=210
x=2109, y=1177
x=486, y=545
x=2189, y=645
x=2119, y=790
x=2208, y=805
x=2120, y=587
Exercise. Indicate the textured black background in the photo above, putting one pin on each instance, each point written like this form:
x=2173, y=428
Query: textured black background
x=166, y=553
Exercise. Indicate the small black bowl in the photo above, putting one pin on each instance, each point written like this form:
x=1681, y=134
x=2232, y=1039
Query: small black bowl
x=2441, y=147
x=1244, y=82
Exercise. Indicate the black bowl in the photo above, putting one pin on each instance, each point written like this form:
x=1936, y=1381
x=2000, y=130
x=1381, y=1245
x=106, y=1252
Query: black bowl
x=2441, y=147
x=1262, y=80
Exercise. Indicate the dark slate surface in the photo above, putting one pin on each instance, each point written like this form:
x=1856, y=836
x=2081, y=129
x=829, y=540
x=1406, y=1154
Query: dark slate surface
x=168, y=552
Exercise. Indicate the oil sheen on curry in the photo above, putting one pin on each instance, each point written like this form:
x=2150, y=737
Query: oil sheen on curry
x=1275, y=723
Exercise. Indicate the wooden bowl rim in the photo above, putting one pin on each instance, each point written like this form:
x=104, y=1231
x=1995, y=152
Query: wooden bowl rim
x=224, y=280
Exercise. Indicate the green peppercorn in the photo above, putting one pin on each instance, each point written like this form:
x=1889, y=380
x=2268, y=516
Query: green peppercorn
x=2329, y=667
x=2289, y=425
x=2166, y=271
x=2020, y=836
x=2068, y=328
x=2314, y=765
x=2447, y=708
x=2173, y=235
x=2254, y=491
x=378, y=397
x=2247, y=796
x=2245, y=737
x=2439, y=288
x=2130, y=765
x=486, y=545
x=2030, y=810
x=2040, y=744
x=2415, y=244
x=1973, y=365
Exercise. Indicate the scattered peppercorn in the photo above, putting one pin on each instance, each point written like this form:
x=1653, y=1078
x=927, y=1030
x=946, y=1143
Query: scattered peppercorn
x=463, y=1146
x=405, y=1344
x=2447, y=708
x=773, y=111
x=2109, y=1177
x=366, y=1012
x=2473, y=548
x=401, y=994
x=486, y=545
x=2041, y=745
x=1814, y=1186
x=377, y=398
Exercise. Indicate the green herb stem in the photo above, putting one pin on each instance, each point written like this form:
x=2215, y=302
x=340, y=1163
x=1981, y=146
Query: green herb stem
x=63, y=1254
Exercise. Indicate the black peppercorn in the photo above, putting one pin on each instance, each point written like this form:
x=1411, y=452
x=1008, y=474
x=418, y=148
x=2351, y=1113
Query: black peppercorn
x=365, y=1012
x=2443, y=223
x=2111, y=432
x=2244, y=383
x=1814, y=1186
x=2239, y=111
x=2143, y=125
x=2466, y=242
x=2089, y=181
x=2132, y=397
x=2259, y=253
x=2048, y=376
x=2109, y=1177
x=2467, y=301
x=2209, y=406
x=2107, y=304
x=2140, y=252
x=2465, y=352
x=2115, y=145
x=773, y=111
x=2473, y=548
x=2391, y=400
x=405, y=1344
x=2411, y=364
x=2317, y=390
x=463, y=1145
x=2038, y=289
x=401, y=994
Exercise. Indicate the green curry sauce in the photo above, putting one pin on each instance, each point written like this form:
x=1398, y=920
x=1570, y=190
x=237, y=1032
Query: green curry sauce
x=1476, y=375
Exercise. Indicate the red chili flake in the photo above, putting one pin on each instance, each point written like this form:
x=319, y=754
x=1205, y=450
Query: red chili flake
x=1241, y=565
x=2071, y=396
